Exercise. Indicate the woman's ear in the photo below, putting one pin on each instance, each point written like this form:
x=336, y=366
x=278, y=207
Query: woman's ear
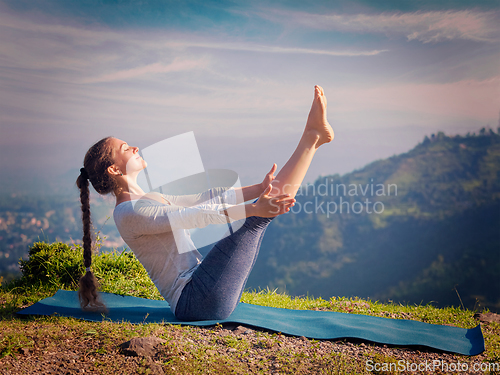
x=113, y=170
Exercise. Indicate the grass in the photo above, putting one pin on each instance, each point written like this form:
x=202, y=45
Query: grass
x=188, y=349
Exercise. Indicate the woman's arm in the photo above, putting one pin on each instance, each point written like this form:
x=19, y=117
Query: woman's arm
x=150, y=217
x=211, y=196
x=147, y=217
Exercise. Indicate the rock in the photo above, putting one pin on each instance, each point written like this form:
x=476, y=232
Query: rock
x=141, y=346
x=24, y=351
x=488, y=317
x=156, y=369
x=241, y=330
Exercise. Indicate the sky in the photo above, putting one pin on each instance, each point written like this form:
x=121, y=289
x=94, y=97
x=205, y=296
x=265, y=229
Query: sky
x=240, y=75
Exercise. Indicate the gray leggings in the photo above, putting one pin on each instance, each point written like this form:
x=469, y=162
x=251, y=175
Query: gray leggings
x=217, y=284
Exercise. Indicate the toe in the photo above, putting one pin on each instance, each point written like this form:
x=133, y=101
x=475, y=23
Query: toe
x=317, y=92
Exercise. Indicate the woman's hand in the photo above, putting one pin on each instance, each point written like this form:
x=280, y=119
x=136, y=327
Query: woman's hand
x=271, y=206
x=269, y=177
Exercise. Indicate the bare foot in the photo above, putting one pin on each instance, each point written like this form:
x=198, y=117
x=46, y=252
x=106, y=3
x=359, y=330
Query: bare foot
x=317, y=124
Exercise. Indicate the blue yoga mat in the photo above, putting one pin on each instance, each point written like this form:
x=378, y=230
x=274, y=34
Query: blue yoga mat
x=312, y=324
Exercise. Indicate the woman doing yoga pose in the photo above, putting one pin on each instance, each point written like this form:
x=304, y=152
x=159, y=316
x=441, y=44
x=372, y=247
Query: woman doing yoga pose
x=155, y=225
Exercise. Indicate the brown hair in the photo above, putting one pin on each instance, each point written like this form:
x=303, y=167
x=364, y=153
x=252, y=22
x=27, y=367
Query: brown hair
x=97, y=160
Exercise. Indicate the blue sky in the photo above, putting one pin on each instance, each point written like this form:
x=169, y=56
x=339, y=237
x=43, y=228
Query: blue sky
x=240, y=74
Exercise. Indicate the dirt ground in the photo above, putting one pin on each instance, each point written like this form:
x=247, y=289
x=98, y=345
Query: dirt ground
x=218, y=350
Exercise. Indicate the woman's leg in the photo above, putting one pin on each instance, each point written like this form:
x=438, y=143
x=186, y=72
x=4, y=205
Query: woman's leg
x=217, y=284
x=317, y=132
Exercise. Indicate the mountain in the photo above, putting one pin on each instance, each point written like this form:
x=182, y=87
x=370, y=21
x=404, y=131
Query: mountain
x=419, y=227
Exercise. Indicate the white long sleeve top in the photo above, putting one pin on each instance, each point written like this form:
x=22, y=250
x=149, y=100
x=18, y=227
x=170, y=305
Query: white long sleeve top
x=157, y=234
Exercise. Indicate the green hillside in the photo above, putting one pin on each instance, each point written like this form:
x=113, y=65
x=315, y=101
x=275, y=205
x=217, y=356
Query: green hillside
x=423, y=226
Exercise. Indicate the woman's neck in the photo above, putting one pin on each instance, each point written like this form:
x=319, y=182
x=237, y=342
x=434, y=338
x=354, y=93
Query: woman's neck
x=128, y=190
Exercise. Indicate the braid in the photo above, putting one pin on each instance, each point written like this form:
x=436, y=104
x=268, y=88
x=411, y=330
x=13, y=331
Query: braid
x=87, y=222
x=97, y=160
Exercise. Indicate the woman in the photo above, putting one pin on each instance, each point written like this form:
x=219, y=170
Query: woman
x=154, y=225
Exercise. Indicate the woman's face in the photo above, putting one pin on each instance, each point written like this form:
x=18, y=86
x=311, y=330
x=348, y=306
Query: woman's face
x=127, y=158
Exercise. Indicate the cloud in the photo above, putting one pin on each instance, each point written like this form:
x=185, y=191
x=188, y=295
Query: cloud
x=177, y=65
x=426, y=27
x=249, y=47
